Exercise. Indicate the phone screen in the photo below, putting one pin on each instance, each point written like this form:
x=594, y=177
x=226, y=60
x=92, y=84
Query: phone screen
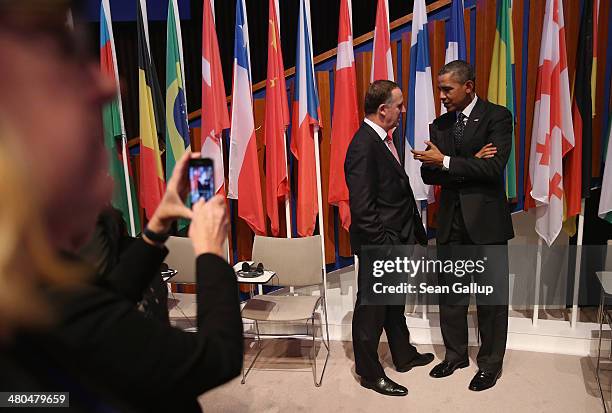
x=201, y=181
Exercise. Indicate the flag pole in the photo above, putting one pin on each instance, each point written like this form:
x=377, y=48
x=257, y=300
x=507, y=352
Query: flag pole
x=536, y=302
x=124, y=155
x=288, y=196
x=320, y=202
x=575, y=309
x=127, y=177
x=226, y=198
x=423, y=212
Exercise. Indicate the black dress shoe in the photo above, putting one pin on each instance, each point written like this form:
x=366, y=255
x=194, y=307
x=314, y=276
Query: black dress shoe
x=384, y=385
x=447, y=368
x=420, y=360
x=484, y=380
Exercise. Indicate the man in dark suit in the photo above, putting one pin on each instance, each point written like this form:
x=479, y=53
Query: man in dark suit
x=383, y=212
x=467, y=155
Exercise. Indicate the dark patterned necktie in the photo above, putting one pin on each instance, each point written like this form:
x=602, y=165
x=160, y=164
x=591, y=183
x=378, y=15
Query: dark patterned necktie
x=458, y=129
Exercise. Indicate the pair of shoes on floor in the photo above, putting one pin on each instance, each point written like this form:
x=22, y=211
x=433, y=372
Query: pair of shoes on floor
x=420, y=360
x=483, y=379
x=385, y=386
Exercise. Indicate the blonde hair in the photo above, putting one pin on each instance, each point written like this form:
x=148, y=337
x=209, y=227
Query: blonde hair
x=26, y=258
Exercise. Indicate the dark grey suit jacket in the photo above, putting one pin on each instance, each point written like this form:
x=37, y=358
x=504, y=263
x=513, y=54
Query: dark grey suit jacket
x=383, y=209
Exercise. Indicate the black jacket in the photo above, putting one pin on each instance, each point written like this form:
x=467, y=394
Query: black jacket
x=103, y=344
x=383, y=209
x=478, y=184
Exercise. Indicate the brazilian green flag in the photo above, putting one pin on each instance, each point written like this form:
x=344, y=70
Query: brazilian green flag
x=177, y=129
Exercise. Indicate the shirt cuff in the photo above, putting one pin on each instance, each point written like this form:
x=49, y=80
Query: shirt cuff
x=446, y=163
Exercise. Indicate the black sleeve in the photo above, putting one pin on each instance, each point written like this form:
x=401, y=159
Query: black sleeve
x=435, y=175
x=491, y=169
x=108, y=337
x=136, y=268
x=360, y=172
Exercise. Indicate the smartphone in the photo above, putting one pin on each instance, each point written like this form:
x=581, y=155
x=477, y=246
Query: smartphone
x=201, y=179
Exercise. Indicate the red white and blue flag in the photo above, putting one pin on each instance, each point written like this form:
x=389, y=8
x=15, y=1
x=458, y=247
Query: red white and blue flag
x=244, y=183
x=306, y=115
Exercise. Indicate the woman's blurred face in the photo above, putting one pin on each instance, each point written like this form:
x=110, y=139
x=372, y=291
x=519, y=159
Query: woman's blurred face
x=52, y=98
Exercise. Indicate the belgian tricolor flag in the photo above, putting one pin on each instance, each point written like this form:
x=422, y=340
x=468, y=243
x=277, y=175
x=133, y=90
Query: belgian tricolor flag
x=152, y=183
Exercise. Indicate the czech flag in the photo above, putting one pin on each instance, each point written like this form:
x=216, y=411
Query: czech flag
x=306, y=115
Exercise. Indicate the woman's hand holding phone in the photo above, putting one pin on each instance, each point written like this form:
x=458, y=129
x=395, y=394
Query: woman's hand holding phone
x=208, y=228
x=172, y=205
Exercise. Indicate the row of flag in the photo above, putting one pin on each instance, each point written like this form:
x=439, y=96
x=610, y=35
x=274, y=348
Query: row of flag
x=560, y=156
x=560, y=141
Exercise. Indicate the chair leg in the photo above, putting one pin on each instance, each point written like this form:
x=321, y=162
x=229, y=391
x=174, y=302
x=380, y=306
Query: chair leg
x=601, y=319
x=259, y=348
x=325, y=340
x=314, y=354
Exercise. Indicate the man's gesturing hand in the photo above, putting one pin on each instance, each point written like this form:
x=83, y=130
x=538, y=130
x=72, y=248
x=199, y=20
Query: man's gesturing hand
x=430, y=156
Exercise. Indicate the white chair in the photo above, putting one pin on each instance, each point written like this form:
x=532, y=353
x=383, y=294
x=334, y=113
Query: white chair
x=183, y=306
x=297, y=262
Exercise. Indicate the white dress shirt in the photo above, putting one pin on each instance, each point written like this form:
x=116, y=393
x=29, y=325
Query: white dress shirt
x=377, y=128
x=380, y=132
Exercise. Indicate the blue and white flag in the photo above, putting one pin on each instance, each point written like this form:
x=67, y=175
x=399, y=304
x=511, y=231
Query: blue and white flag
x=456, y=48
x=420, y=91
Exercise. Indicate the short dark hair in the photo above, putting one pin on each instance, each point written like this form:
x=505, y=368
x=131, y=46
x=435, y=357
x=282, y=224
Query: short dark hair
x=379, y=93
x=461, y=70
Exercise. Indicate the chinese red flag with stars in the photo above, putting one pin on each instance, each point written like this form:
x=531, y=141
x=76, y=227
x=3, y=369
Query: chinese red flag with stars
x=553, y=134
x=275, y=123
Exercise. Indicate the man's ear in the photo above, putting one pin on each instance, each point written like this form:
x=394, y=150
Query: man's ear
x=382, y=109
x=469, y=87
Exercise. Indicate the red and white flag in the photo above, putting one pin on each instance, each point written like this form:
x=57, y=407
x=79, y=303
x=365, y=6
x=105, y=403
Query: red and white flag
x=214, y=104
x=276, y=122
x=553, y=133
x=345, y=121
x=244, y=183
x=382, y=64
